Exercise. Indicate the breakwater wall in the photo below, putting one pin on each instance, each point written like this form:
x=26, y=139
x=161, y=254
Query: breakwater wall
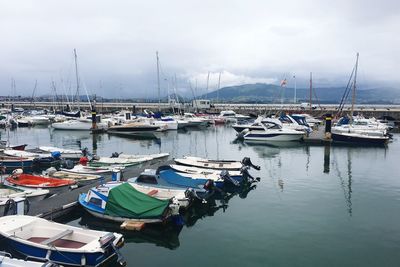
x=367, y=110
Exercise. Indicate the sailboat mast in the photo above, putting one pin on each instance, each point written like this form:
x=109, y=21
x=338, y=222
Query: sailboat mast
x=77, y=80
x=311, y=91
x=219, y=86
x=208, y=79
x=158, y=82
x=295, y=90
x=353, y=100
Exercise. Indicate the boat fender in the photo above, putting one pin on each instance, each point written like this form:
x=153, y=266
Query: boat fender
x=17, y=171
x=83, y=160
x=56, y=154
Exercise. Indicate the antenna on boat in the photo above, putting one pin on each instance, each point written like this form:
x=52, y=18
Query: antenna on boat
x=311, y=91
x=295, y=90
x=219, y=85
x=77, y=79
x=354, y=89
x=158, y=81
x=208, y=79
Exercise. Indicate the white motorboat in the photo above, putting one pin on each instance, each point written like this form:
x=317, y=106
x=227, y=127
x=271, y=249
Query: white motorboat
x=93, y=170
x=65, y=153
x=39, y=120
x=229, y=116
x=209, y=164
x=78, y=125
x=151, y=156
x=195, y=170
x=60, y=243
x=273, y=131
x=193, y=121
x=106, y=161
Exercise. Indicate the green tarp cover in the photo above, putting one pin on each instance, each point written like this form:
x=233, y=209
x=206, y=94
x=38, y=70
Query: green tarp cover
x=126, y=201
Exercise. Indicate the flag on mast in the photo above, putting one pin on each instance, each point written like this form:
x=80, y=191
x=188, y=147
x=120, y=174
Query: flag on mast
x=283, y=83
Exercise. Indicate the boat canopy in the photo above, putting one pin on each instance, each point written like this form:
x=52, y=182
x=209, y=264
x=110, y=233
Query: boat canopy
x=126, y=201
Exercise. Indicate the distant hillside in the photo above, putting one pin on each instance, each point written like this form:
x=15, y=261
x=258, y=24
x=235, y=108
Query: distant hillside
x=269, y=93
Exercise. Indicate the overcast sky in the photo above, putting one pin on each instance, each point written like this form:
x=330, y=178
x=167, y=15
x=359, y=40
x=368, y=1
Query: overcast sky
x=247, y=41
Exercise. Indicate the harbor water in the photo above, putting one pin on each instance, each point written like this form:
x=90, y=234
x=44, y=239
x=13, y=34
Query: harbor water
x=314, y=206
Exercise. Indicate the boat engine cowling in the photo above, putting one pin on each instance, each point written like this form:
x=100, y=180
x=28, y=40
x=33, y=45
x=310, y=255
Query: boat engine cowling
x=247, y=176
x=228, y=179
x=174, y=206
x=247, y=162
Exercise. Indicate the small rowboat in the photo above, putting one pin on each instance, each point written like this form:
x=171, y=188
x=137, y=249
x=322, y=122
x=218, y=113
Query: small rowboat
x=7, y=261
x=229, y=165
x=63, y=244
x=13, y=163
x=151, y=156
x=80, y=179
x=106, y=161
x=29, y=181
x=10, y=191
x=195, y=170
x=65, y=153
x=93, y=170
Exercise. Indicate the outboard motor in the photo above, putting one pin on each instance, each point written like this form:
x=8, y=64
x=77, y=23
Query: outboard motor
x=108, y=241
x=247, y=162
x=227, y=178
x=115, y=154
x=67, y=164
x=247, y=176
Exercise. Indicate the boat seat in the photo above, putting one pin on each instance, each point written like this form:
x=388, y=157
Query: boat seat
x=56, y=237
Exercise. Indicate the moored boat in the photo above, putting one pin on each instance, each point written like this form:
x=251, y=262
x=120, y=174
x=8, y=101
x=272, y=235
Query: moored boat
x=29, y=181
x=12, y=163
x=229, y=165
x=80, y=179
x=6, y=260
x=32, y=195
x=63, y=244
x=272, y=131
x=125, y=203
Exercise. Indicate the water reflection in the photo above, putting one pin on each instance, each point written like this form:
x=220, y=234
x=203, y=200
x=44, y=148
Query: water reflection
x=166, y=236
x=163, y=235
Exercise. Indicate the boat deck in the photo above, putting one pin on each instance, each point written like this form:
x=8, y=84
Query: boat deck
x=61, y=243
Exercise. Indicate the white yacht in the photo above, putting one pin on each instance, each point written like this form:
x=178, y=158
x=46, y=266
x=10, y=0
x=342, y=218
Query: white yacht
x=272, y=131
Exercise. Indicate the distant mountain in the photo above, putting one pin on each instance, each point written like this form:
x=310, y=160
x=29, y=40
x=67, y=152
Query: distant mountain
x=269, y=93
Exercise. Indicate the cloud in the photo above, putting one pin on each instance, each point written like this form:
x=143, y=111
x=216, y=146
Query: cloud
x=250, y=41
